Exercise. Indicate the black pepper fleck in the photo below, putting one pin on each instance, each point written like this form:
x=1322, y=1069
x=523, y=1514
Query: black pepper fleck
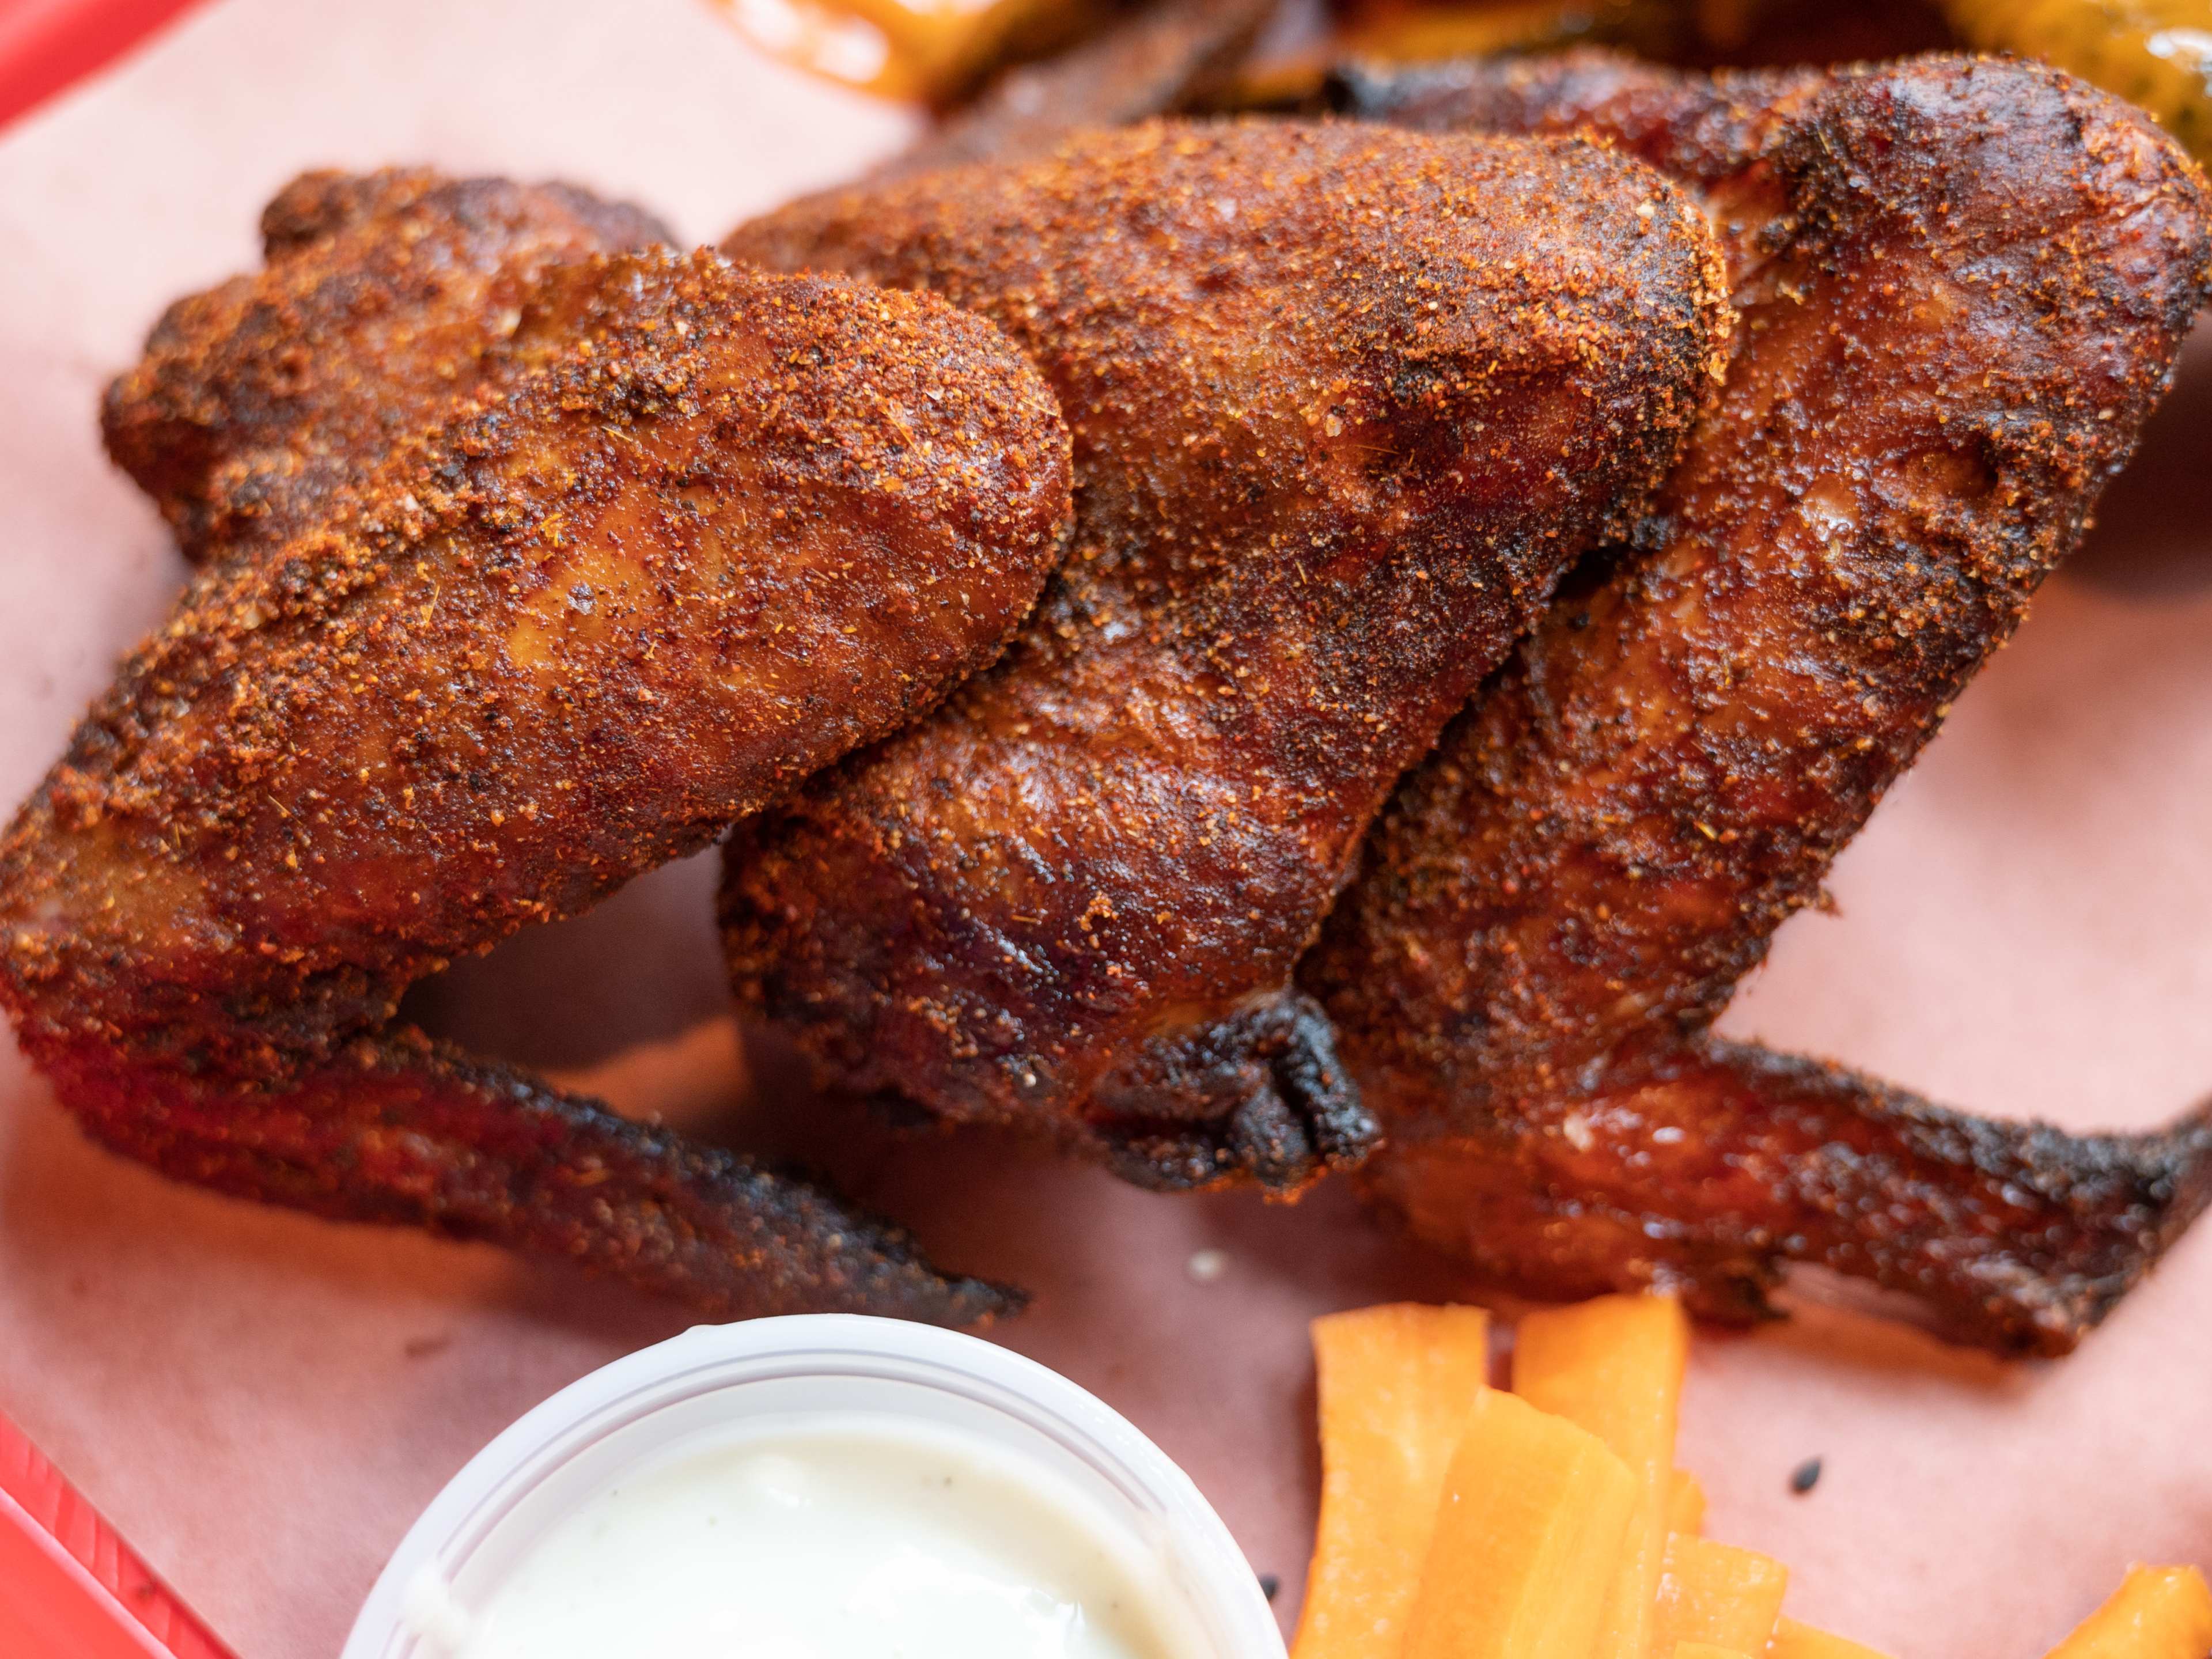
x=1804, y=1476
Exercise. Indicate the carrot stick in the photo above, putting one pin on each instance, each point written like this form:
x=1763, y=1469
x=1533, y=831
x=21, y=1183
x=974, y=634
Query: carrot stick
x=1686, y=1503
x=2157, y=1612
x=1716, y=1593
x=1397, y=1384
x=1613, y=1366
x=1795, y=1641
x=1528, y=1543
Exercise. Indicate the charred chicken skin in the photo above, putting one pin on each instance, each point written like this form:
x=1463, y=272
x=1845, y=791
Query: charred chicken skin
x=385, y=300
x=732, y=527
x=1345, y=402
x=1962, y=286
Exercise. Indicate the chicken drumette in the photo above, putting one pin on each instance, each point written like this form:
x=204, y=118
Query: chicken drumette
x=1962, y=286
x=730, y=526
x=1345, y=402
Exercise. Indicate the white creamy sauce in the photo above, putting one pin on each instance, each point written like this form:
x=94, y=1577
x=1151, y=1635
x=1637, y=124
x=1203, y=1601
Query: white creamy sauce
x=859, y=1539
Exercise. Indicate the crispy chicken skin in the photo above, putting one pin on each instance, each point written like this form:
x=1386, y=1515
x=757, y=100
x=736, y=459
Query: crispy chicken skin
x=1962, y=285
x=1345, y=402
x=318, y=205
x=735, y=525
x=386, y=299
x=1703, y=1165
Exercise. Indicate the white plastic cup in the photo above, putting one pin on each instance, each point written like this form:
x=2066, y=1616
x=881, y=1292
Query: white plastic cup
x=716, y=1378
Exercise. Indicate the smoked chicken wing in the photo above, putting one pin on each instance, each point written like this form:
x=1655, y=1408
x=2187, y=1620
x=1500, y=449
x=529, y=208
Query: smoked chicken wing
x=1345, y=402
x=386, y=299
x=1961, y=287
x=733, y=526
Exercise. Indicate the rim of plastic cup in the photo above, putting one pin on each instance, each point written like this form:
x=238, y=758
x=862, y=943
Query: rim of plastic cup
x=544, y=1439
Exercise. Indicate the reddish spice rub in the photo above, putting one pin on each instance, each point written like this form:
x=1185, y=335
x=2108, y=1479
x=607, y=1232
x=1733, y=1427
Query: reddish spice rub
x=737, y=525
x=1962, y=285
x=387, y=298
x=1345, y=402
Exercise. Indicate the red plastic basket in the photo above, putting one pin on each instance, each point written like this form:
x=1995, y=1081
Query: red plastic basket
x=72, y=1589
x=45, y=44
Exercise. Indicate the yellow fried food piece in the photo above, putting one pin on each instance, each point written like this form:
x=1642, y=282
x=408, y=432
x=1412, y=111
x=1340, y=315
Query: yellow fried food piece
x=2157, y=53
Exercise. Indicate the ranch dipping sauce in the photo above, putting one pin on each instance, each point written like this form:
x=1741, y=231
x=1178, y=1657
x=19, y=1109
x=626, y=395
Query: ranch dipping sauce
x=818, y=1486
x=843, y=1537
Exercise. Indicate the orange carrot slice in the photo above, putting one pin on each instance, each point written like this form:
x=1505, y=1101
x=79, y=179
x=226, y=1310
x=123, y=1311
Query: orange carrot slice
x=2157, y=1612
x=1686, y=1503
x=1528, y=1542
x=1795, y=1641
x=1613, y=1366
x=1397, y=1384
x=1716, y=1593
x=1706, y=1650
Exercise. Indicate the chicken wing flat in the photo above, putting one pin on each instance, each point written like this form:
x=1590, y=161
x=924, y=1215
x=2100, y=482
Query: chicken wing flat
x=1345, y=402
x=385, y=300
x=1962, y=286
x=738, y=525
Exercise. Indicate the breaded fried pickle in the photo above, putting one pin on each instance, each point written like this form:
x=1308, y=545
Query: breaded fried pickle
x=387, y=298
x=1345, y=402
x=1962, y=285
x=737, y=524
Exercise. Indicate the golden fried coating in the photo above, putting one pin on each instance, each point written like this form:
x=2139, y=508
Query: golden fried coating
x=738, y=524
x=386, y=300
x=1150, y=61
x=1962, y=285
x=1345, y=402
